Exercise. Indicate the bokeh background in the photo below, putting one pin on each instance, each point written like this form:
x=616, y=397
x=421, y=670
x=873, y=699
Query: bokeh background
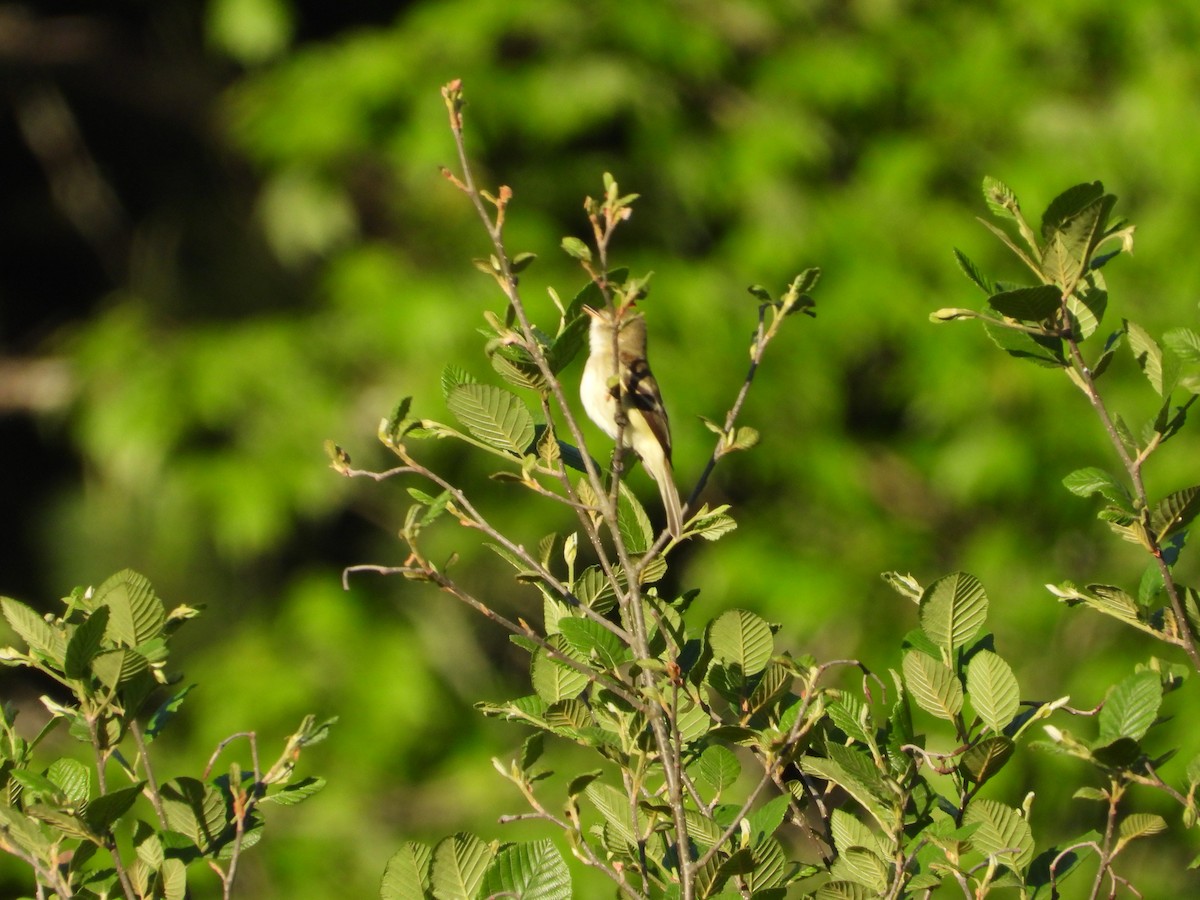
x=225, y=240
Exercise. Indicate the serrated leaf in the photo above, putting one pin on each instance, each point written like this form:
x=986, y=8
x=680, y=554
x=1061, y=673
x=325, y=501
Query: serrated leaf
x=993, y=690
x=297, y=792
x=861, y=866
x=591, y=640
x=1175, y=512
x=632, y=521
x=495, y=416
x=1184, y=343
x=85, y=644
x=553, y=679
x=165, y=712
x=933, y=685
x=1068, y=205
x=105, y=810
x=72, y=777
x=459, y=864
x=986, y=758
x=136, y=614
x=972, y=272
x=1002, y=833
x=1088, y=481
x=1028, y=304
x=953, y=609
x=1130, y=707
x=848, y=713
x=1149, y=357
x=855, y=778
x=531, y=871
x=719, y=768
x=741, y=638
x=1140, y=825
x=34, y=630
x=1071, y=234
x=614, y=807
x=1000, y=198
x=1042, y=351
x=1085, y=309
x=847, y=832
x=454, y=376
x=712, y=524
x=196, y=811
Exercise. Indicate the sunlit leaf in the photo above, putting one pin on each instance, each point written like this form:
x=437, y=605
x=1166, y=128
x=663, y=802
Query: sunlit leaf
x=495, y=416
x=459, y=864
x=1131, y=707
x=953, y=609
x=992, y=689
x=933, y=685
x=742, y=638
x=1002, y=833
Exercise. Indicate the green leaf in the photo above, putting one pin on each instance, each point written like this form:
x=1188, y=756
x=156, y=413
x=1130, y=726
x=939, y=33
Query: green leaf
x=592, y=641
x=459, y=864
x=453, y=377
x=634, y=524
x=1085, y=308
x=987, y=757
x=1028, y=304
x=1175, y=512
x=1002, y=833
x=861, y=866
x=1071, y=234
x=855, y=776
x=1000, y=198
x=531, y=871
x=553, y=679
x=1141, y=825
x=407, y=875
x=296, y=792
x=718, y=767
x=72, y=777
x=576, y=249
x=614, y=807
x=136, y=614
x=196, y=811
x=34, y=630
x=850, y=715
x=765, y=820
x=972, y=272
x=104, y=811
x=712, y=524
x=1184, y=343
x=742, y=638
x=847, y=832
x=165, y=712
x=992, y=689
x=1085, y=482
x=1149, y=358
x=1130, y=707
x=933, y=685
x=953, y=609
x=495, y=416
x=1069, y=205
x=845, y=890
x=1040, y=350
x=85, y=644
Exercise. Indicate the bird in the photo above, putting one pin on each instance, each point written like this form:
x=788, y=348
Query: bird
x=617, y=376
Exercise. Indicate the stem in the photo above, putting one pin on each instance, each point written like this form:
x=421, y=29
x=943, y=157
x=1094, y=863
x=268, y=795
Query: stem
x=151, y=782
x=1133, y=466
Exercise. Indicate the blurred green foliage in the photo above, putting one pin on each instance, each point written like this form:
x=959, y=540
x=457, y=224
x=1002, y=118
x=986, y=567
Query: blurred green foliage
x=763, y=137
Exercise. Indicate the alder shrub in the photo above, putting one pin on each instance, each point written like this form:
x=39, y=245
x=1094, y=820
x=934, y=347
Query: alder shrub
x=114, y=825
x=725, y=767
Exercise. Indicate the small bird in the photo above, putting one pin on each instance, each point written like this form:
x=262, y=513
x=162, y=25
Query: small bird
x=627, y=379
